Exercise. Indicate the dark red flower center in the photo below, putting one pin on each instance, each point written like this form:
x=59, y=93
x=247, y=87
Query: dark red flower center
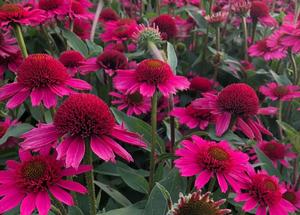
x=290, y=196
x=166, y=26
x=50, y=4
x=77, y=8
x=41, y=70
x=112, y=59
x=198, y=207
x=71, y=58
x=12, y=11
x=153, y=72
x=218, y=153
x=239, y=99
x=84, y=115
x=281, y=91
x=274, y=150
x=38, y=174
x=201, y=84
x=108, y=14
x=134, y=98
x=258, y=10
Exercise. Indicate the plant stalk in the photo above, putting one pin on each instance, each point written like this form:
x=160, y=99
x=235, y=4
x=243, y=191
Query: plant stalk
x=20, y=39
x=244, y=23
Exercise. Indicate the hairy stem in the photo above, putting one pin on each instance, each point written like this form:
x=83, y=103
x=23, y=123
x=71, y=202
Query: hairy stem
x=244, y=23
x=96, y=17
x=20, y=39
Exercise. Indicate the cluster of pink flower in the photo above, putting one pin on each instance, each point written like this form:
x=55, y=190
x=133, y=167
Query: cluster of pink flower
x=62, y=84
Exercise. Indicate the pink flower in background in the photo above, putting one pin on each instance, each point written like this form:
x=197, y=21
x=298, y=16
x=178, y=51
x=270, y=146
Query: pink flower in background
x=275, y=91
x=191, y=117
x=32, y=180
x=201, y=84
x=150, y=75
x=237, y=104
x=107, y=15
x=292, y=40
x=82, y=28
x=10, y=63
x=135, y=103
x=110, y=60
x=292, y=195
x=120, y=30
x=18, y=14
x=80, y=10
x=72, y=60
x=208, y=159
x=42, y=78
x=8, y=45
x=264, y=192
x=80, y=118
x=259, y=12
x=166, y=25
x=181, y=3
x=277, y=152
x=183, y=27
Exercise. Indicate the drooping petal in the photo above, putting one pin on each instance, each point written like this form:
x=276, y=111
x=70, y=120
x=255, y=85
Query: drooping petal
x=222, y=124
x=73, y=186
x=62, y=195
x=75, y=153
x=43, y=203
x=102, y=149
x=28, y=204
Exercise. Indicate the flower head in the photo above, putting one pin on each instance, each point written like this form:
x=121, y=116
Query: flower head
x=259, y=12
x=18, y=14
x=82, y=28
x=80, y=9
x=107, y=15
x=280, y=92
x=83, y=120
x=265, y=193
x=237, y=103
x=166, y=25
x=217, y=18
x=7, y=45
x=241, y=7
x=31, y=181
x=11, y=63
x=41, y=77
x=198, y=204
x=209, y=159
x=135, y=102
x=71, y=59
x=201, y=84
x=144, y=34
x=149, y=75
x=292, y=195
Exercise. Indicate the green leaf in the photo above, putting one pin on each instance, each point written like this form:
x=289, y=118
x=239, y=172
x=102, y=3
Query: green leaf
x=165, y=193
x=229, y=136
x=133, y=180
x=174, y=184
x=15, y=131
x=75, y=211
x=280, y=79
x=139, y=126
x=292, y=134
x=172, y=58
x=75, y=42
x=135, y=209
x=94, y=49
x=116, y=195
x=267, y=163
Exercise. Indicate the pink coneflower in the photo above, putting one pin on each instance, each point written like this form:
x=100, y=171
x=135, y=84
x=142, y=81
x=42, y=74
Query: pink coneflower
x=264, y=192
x=261, y=49
x=291, y=38
x=135, y=103
x=10, y=63
x=197, y=203
x=115, y=46
x=280, y=92
x=41, y=77
x=82, y=118
x=7, y=45
x=166, y=25
x=120, y=30
x=72, y=60
x=277, y=152
x=184, y=27
x=247, y=66
x=201, y=84
x=239, y=104
x=109, y=60
x=80, y=10
x=191, y=117
x=18, y=14
x=108, y=14
x=259, y=12
x=150, y=75
x=217, y=18
x=82, y=28
x=209, y=159
x=32, y=181
x=292, y=195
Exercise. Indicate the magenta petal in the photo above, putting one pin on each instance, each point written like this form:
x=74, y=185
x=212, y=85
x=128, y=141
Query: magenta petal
x=222, y=183
x=202, y=179
x=9, y=202
x=242, y=125
x=102, y=149
x=9, y=89
x=78, y=84
x=118, y=149
x=62, y=148
x=36, y=96
x=81, y=169
x=261, y=211
x=249, y=205
x=75, y=153
x=73, y=186
x=49, y=98
x=222, y=124
x=18, y=99
x=62, y=195
x=43, y=203
x=28, y=204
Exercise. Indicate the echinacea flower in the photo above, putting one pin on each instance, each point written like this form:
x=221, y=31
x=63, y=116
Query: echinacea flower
x=191, y=117
x=10, y=63
x=110, y=60
x=7, y=45
x=82, y=28
x=83, y=120
x=145, y=34
x=241, y=7
x=264, y=192
x=259, y=12
x=197, y=203
x=41, y=77
x=108, y=14
x=79, y=9
x=217, y=18
x=201, y=84
x=72, y=60
x=237, y=104
x=32, y=180
x=208, y=159
x=275, y=91
x=18, y=14
x=135, y=103
x=166, y=25
x=150, y=75
x=277, y=152
x=292, y=195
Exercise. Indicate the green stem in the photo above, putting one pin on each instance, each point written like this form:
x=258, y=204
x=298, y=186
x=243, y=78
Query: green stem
x=280, y=118
x=172, y=124
x=295, y=69
x=218, y=48
x=244, y=23
x=55, y=210
x=89, y=177
x=20, y=39
x=154, y=51
x=59, y=207
x=211, y=185
x=253, y=32
x=218, y=39
x=153, y=140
